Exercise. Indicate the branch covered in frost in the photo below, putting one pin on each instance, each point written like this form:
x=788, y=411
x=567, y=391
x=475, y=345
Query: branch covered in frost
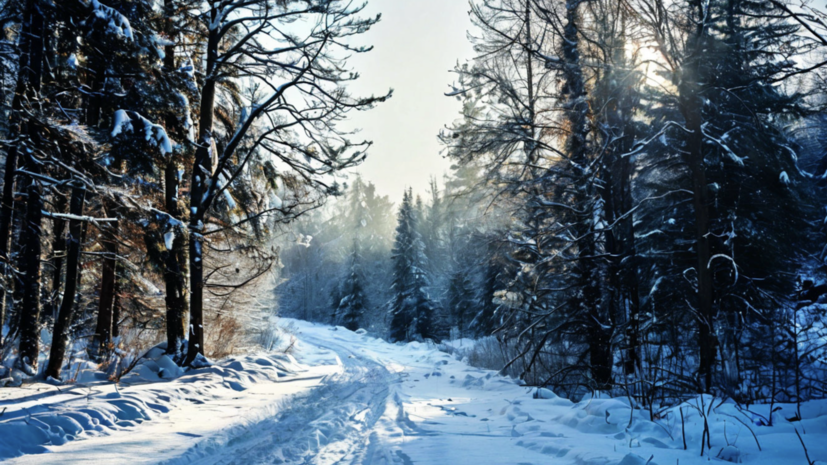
x=126, y=122
x=109, y=20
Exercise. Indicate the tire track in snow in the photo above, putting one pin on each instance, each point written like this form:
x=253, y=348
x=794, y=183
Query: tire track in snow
x=331, y=424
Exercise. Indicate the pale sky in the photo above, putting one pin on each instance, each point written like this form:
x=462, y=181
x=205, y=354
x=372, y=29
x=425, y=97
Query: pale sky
x=416, y=44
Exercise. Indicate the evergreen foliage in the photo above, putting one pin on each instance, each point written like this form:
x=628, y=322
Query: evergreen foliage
x=412, y=312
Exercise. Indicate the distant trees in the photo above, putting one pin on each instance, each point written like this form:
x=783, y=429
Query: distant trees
x=462, y=302
x=317, y=257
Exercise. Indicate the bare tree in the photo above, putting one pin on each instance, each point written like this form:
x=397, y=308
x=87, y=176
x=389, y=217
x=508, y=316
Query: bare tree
x=290, y=119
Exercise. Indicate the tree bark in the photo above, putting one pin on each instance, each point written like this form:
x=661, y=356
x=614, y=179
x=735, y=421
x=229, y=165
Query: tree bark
x=175, y=266
x=202, y=169
x=30, y=70
x=63, y=323
x=29, y=347
x=58, y=252
x=117, y=310
x=28, y=87
x=6, y=209
x=591, y=305
x=103, y=329
x=690, y=102
x=95, y=99
x=175, y=271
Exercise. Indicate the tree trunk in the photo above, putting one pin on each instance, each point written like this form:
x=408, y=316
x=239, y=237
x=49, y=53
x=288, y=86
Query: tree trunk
x=175, y=271
x=175, y=266
x=95, y=99
x=196, y=339
x=29, y=86
x=29, y=77
x=690, y=105
x=63, y=323
x=58, y=252
x=29, y=348
x=6, y=209
x=116, y=301
x=592, y=305
x=103, y=329
x=620, y=104
x=202, y=168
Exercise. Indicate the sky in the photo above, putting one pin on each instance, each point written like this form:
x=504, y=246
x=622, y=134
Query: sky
x=417, y=43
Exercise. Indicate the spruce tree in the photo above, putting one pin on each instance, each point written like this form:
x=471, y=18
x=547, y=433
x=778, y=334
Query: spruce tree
x=352, y=301
x=461, y=301
x=488, y=318
x=412, y=312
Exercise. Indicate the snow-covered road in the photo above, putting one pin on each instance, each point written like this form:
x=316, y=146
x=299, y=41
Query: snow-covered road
x=412, y=404
x=359, y=400
x=329, y=424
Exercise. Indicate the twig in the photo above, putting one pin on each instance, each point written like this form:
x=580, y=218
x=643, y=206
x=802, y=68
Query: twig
x=806, y=453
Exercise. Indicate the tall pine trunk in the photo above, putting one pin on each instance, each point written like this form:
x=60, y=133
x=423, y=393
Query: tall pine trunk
x=28, y=88
x=117, y=309
x=29, y=77
x=103, y=328
x=630, y=281
x=175, y=266
x=95, y=98
x=63, y=323
x=58, y=252
x=29, y=347
x=202, y=169
x=175, y=271
x=592, y=299
x=619, y=103
x=690, y=101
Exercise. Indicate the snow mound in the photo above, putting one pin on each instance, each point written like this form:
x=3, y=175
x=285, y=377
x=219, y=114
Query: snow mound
x=33, y=423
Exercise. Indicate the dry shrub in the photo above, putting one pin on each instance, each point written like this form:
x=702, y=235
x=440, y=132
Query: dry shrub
x=224, y=335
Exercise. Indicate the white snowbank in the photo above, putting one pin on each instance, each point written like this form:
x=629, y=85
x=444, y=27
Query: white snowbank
x=38, y=418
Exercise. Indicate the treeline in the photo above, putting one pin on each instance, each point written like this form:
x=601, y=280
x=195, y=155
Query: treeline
x=425, y=269
x=152, y=149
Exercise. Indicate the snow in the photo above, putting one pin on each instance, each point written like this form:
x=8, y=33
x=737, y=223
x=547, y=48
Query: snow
x=169, y=238
x=351, y=398
x=99, y=422
x=275, y=201
x=112, y=21
x=155, y=134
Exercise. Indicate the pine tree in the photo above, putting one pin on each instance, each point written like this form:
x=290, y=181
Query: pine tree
x=749, y=210
x=412, y=312
x=461, y=302
x=488, y=318
x=352, y=302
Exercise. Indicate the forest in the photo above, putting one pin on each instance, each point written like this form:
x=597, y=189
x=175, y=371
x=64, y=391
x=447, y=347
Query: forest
x=636, y=205
x=142, y=137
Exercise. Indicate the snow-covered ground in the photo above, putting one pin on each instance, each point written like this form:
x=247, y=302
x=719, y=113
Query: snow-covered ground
x=350, y=398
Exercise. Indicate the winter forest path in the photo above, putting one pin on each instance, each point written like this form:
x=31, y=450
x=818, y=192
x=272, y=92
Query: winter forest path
x=359, y=400
x=389, y=404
